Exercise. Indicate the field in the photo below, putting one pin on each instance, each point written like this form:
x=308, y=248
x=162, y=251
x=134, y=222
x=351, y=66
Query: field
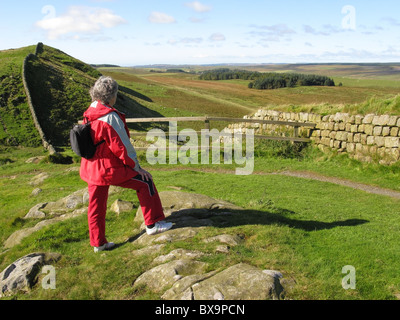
x=305, y=228
x=185, y=94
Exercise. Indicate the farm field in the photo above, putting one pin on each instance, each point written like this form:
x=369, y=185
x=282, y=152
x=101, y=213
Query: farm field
x=185, y=93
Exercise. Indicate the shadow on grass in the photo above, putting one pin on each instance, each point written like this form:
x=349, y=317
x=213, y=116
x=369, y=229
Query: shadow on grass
x=232, y=218
x=246, y=217
x=218, y=218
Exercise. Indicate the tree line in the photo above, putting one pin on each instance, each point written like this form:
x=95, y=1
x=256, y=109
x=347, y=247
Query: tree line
x=270, y=80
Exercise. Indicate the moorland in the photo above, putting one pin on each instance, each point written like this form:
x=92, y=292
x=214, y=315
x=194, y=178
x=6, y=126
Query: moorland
x=296, y=225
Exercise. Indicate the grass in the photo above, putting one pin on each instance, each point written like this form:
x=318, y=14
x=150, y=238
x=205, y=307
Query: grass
x=306, y=229
x=15, y=117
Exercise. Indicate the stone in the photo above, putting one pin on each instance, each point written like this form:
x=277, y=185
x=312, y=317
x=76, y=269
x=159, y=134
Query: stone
x=178, y=254
x=120, y=206
x=36, y=191
x=39, y=179
x=368, y=118
x=239, y=282
x=377, y=131
x=370, y=140
x=182, y=289
x=392, y=142
x=232, y=240
x=385, y=131
x=163, y=276
x=383, y=120
x=350, y=147
x=222, y=249
x=35, y=160
x=149, y=250
x=168, y=236
x=380, y=141
x=392, y=121
x=74, y=200
x=358, y=119
x=394, y=131
x=20, y=276
x=187, y=203
x=369, y=129
x=35, y=212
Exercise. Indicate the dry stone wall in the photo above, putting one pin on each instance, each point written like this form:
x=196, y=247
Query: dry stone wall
x=28, y=58
x=367, y=138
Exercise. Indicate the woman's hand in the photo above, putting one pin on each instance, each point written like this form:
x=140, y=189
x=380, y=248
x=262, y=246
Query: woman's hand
x=145, y=175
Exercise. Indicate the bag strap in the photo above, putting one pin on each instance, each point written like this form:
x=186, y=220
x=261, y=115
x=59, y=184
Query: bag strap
x=88, y=122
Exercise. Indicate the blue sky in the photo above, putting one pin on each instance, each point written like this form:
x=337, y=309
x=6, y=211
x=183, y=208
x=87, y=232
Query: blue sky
x=132, y=33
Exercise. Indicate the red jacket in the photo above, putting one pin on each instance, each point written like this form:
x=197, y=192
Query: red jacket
x=115, y=161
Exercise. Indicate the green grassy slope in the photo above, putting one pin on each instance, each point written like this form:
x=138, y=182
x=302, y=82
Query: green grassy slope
x=16, y=123
x=59, y=86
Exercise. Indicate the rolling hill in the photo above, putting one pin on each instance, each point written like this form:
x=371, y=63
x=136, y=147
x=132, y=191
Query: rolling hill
x=58, y=85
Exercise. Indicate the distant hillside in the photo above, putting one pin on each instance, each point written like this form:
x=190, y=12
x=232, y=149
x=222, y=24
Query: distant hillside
x=59, y=88
x=16, y=123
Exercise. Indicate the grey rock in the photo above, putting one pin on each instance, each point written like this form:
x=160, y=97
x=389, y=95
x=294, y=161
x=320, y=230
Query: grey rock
x=71, y=202
x=239, y=282
x=120, y=206
x=35, y=192
x=232, y=240
x=35, y=212
x=20, y=276
x=164, y=276
x=168, y=236
x=174, y=201
x=178, y=254
x=39, y=179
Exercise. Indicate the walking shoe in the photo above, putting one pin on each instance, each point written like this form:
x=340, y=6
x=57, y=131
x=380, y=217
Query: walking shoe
x=107, y=246
x=159, y=227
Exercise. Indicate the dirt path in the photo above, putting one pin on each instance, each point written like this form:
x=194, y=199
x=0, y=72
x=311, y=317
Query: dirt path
x=313, y=176
x=342, y=182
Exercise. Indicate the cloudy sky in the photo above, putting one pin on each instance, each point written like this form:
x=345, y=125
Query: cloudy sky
x=129, y=33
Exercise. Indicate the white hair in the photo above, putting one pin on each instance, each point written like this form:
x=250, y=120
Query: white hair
x=105, y=89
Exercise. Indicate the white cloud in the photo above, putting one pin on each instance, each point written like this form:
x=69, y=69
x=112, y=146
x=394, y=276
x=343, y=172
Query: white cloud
x=196, y=20
x=159, y=17
x=217, y=37
x=186, y=41
x=79, y=20
x=198, y=7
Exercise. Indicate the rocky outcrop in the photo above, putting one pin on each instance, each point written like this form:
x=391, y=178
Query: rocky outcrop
x=21, y=275
x=188, y=204
x=238, y=282
x=180, y=274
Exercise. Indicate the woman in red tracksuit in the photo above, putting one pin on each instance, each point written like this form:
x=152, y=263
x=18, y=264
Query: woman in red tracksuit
x=115, y=163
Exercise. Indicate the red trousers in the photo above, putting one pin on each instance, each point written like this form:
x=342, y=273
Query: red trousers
x=98, y=195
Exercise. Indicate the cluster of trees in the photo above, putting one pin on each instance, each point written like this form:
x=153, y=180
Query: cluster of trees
x=228, y=74
x=271, y=80
x=290, y=80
